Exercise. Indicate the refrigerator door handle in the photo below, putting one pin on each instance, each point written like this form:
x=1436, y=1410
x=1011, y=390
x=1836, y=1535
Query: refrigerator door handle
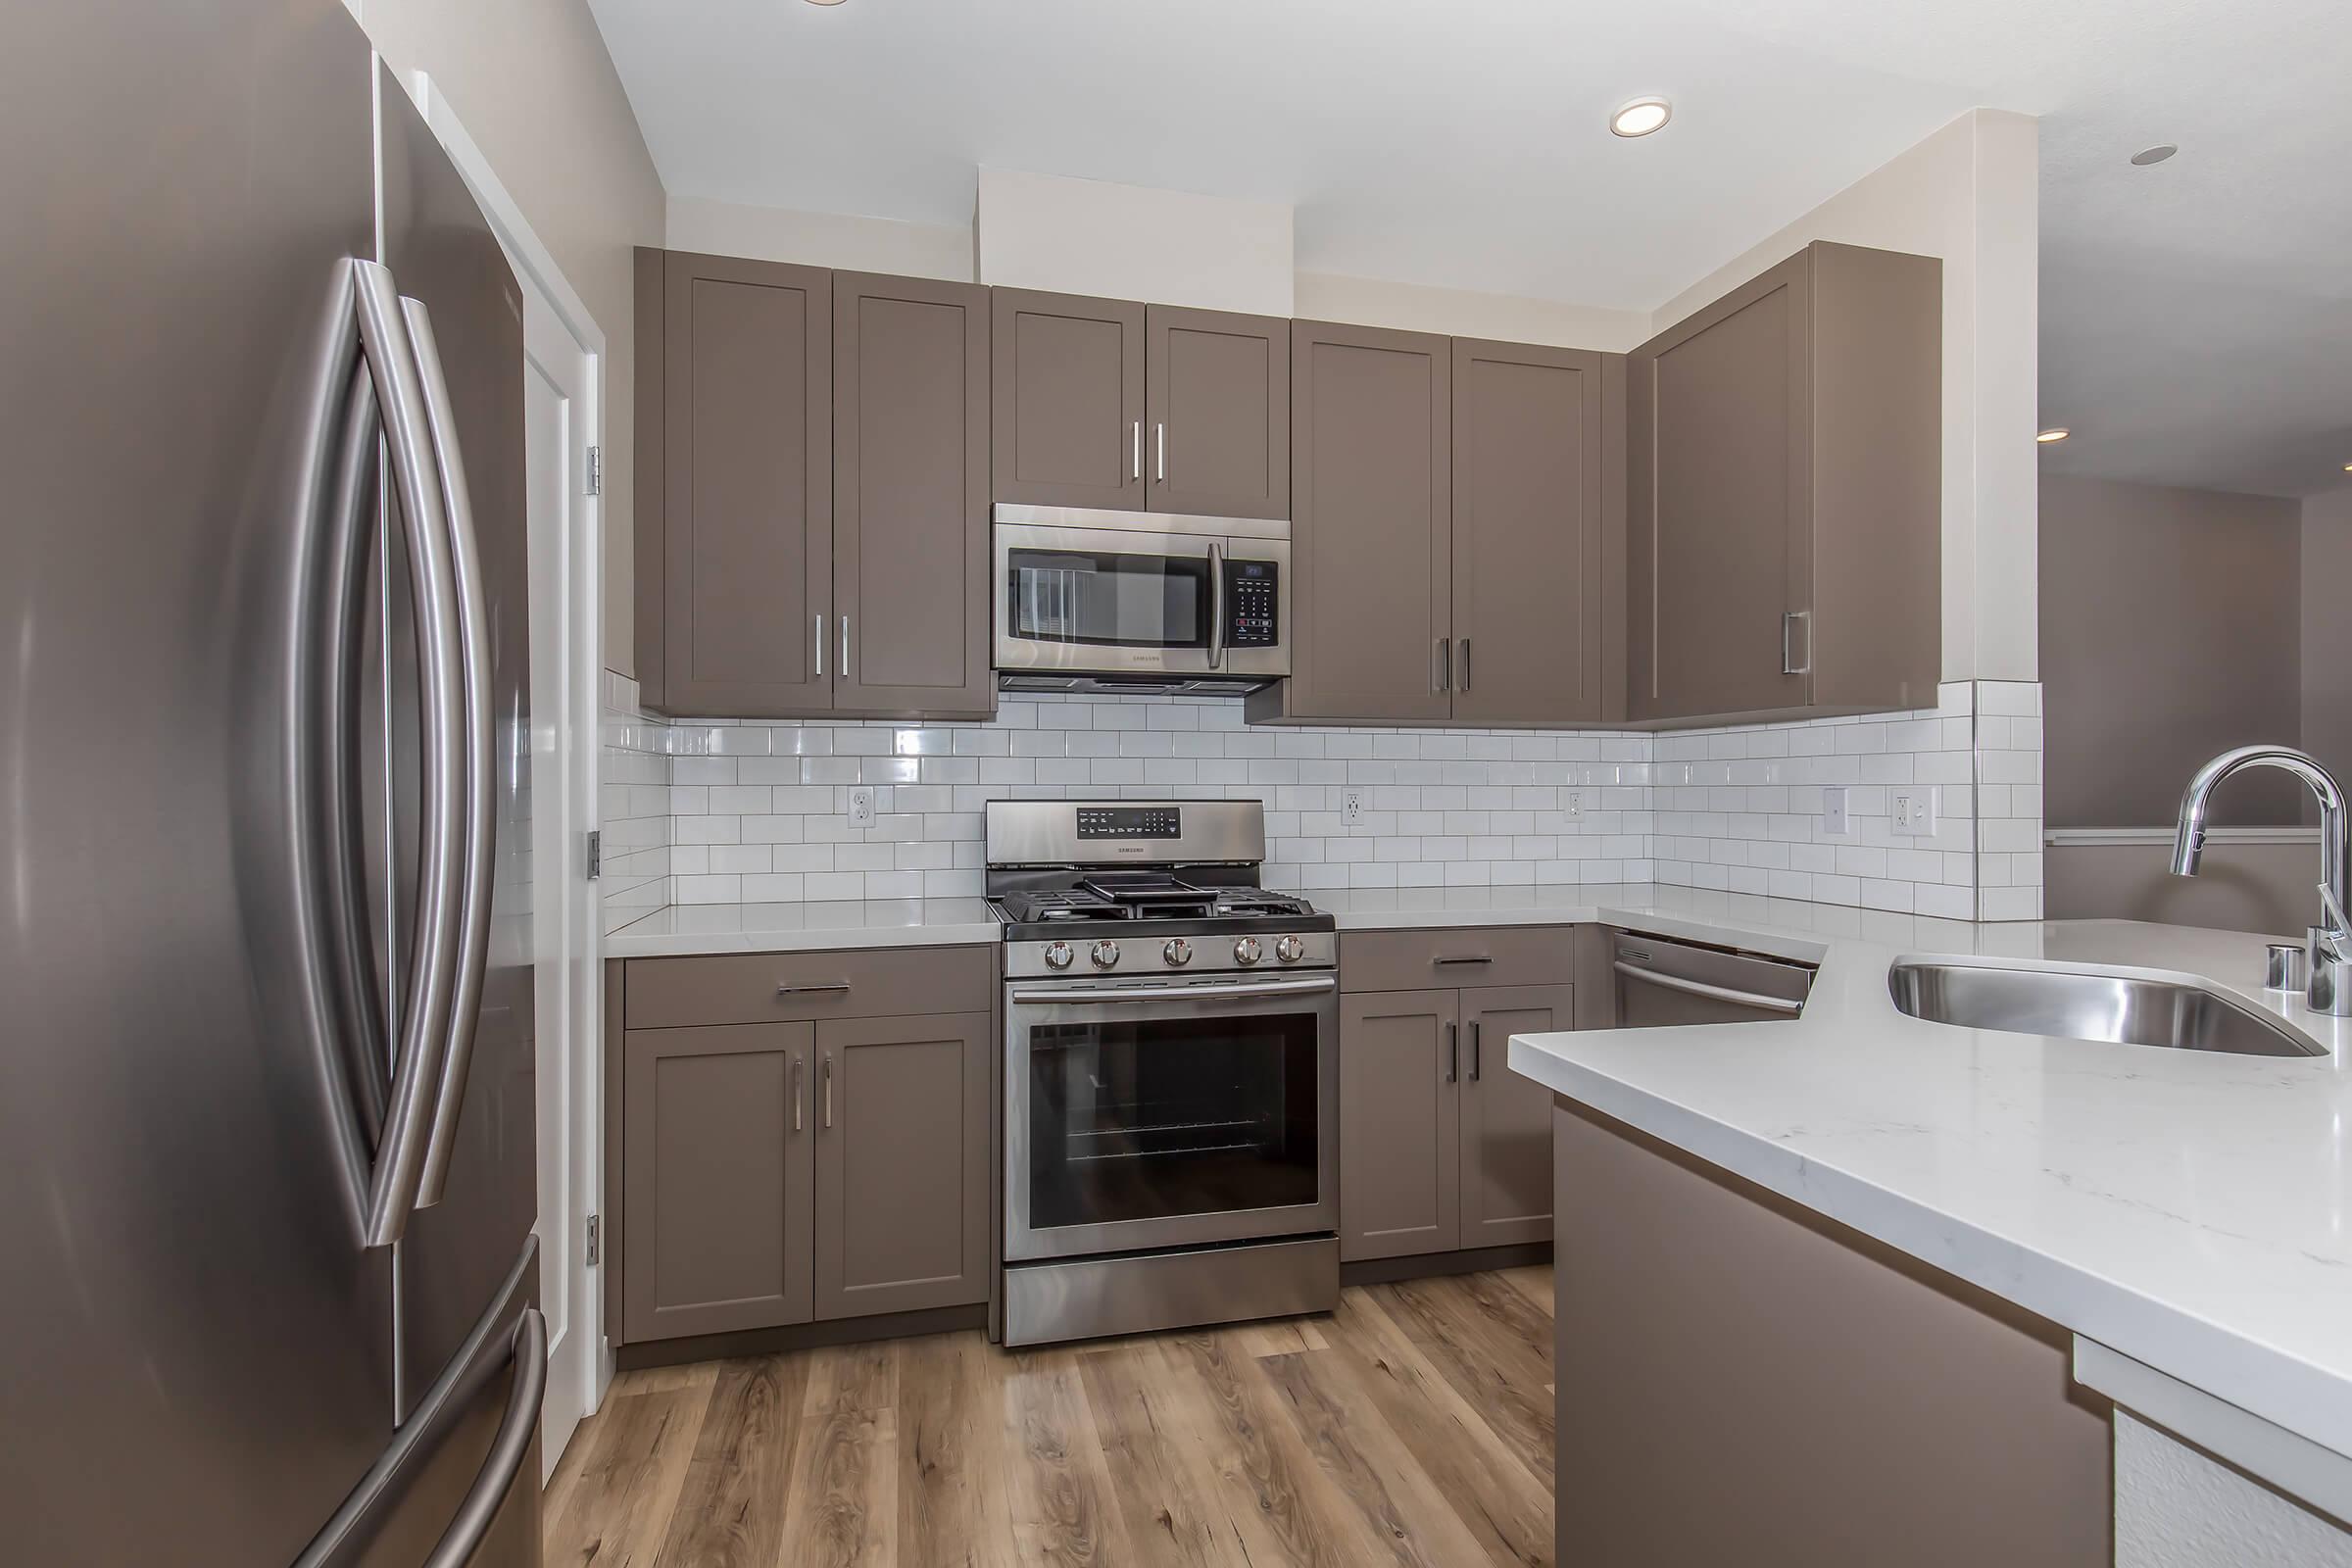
x=424, y=1019
x=479, y=799
x=508, y=1451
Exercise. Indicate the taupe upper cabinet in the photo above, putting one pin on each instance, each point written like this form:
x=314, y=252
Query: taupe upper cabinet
x=1532, y=609
x=1217, y=413
x=738, y=539
x=812, y=492
x=1070, y=399
x=1784, y=496
x=910, y=498
x=1371, y=526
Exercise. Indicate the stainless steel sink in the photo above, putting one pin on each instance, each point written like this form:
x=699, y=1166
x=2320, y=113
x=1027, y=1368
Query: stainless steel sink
x=2084, y=1005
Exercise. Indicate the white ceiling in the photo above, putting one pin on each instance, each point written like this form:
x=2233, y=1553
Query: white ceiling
x=2196, y=315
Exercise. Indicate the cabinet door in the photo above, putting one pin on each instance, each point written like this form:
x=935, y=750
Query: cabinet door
x=1529, y=603
x=1217, y=413
x=715, y=1169
x=1069, y=400
x=1400, y=1124
x=1371, y=530
x=901, y=1112
x=1719, y=493
x=748, y=486
x=1506, y=1119
x=910, y=497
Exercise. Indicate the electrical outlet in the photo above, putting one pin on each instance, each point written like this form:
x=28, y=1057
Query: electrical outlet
x=1572, y=803
x=861, y=806
x=1351, y=806
x=1835, y=823
x=1912, y=812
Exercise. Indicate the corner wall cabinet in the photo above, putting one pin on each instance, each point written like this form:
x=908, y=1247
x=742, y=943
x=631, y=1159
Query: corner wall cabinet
x=1785, y=480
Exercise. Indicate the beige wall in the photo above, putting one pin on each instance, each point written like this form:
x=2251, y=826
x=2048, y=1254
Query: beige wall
x=1969, y=194
x=2238, y=885
x=2328, y=630
x=534, y=87
x=822, y=239
x=1466, y=313
x=2170, y=632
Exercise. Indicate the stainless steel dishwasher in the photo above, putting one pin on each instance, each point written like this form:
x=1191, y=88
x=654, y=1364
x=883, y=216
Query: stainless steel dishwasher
x=1661, y=981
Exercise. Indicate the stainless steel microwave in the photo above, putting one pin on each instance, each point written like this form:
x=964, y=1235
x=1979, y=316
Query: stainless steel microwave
x=1139, y=601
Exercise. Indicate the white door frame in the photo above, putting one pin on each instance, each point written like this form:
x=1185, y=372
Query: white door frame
x=535, y=267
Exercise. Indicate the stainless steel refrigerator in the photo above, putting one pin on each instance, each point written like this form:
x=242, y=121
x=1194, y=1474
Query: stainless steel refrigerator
x=267, y=1274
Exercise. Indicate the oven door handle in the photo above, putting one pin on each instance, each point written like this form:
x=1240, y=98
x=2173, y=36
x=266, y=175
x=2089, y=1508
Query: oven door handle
x=1239, y=990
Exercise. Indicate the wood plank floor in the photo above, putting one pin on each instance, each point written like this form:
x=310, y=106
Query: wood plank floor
x=1412, y=1425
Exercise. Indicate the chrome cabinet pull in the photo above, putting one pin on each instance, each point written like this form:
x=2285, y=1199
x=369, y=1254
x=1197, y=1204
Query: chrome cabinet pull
x=828, y=1087
x=425, y=1021
x=1454, y=1053
x=480, y=796
x=797, y=1063
x=1442, y=662
x=820, y=645
x=1479, y=957
x=1466, y=663
x=814, y=988
x=1160, y=430
x=1788, y=661
x=1135, y=451
x=1476, y=1053
x=845, y=646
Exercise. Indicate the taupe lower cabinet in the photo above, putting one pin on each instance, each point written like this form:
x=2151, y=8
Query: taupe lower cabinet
x=1442, y=1146
x=1111, y=403
x=812, y=492
x=1784, y=486
x=831, y=1165
x=1455, y=532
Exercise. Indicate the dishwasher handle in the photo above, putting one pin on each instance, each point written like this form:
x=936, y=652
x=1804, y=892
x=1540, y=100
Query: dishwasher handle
x=1699, y=988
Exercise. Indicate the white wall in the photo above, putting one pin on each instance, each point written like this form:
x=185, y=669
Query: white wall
x=822, y=239
x=1165, y=247
x=2327, y=584
x=2176, y=1506
x=534, y=87
x=1466, y=313
x=1968, y=194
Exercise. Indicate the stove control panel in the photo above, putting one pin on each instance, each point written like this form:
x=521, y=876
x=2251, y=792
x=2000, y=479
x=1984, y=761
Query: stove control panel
x=1130, y=823
x=1152, y=958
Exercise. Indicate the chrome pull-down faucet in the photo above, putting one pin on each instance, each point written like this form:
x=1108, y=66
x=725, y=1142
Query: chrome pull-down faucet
x=2328, y=944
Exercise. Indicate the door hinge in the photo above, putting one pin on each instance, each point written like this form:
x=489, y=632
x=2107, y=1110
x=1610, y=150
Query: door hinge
x=596, y=471
x=596, y=1239
x=596, y=853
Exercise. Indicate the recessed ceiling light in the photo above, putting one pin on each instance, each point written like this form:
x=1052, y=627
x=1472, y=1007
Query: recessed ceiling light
x=2053, y=434
x=2154, y=154
x=824, y=2
x=1640, y=116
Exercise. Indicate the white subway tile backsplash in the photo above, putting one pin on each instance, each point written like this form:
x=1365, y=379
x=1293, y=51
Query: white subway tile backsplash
x=718, y=812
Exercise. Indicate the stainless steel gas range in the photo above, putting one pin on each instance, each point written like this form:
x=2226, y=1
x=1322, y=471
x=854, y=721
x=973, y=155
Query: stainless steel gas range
x=1171, y=1071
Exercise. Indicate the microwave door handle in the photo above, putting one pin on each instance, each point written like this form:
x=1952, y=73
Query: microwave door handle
x=1216, y=607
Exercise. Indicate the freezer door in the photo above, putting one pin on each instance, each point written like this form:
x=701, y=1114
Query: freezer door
x=195, y=1347
x=445, y=257
x=459, y=1486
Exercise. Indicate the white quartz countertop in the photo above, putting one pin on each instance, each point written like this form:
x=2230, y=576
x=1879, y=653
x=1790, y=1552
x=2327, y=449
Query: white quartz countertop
x=691, y=928
x=2190, y=1210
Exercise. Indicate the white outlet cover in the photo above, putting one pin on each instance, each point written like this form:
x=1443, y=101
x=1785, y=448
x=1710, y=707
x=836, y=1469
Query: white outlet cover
x=1835, y=823
x=862, y=807
x=1912, y=812
x=1351, y=806
x=1572, y=803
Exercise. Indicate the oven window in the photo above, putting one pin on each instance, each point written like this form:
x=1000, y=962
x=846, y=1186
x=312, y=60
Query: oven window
x=1161, y=1117
x=1106, y=596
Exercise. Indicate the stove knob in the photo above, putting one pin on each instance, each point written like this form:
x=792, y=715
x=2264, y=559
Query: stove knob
x=1104, y=955
x=1247, y=952
x=1290, y=950
x=1059, y=955
x=1178, y=953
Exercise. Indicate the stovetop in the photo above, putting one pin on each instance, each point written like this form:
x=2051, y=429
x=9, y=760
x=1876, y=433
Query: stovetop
x=1153, y=905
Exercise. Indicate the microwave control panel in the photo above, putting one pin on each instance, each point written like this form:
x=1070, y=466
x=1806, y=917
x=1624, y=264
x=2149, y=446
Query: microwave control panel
x=1252, y=603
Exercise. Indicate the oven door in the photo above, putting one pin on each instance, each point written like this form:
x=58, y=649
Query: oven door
x=1108, y=600
x=1169, y=1113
